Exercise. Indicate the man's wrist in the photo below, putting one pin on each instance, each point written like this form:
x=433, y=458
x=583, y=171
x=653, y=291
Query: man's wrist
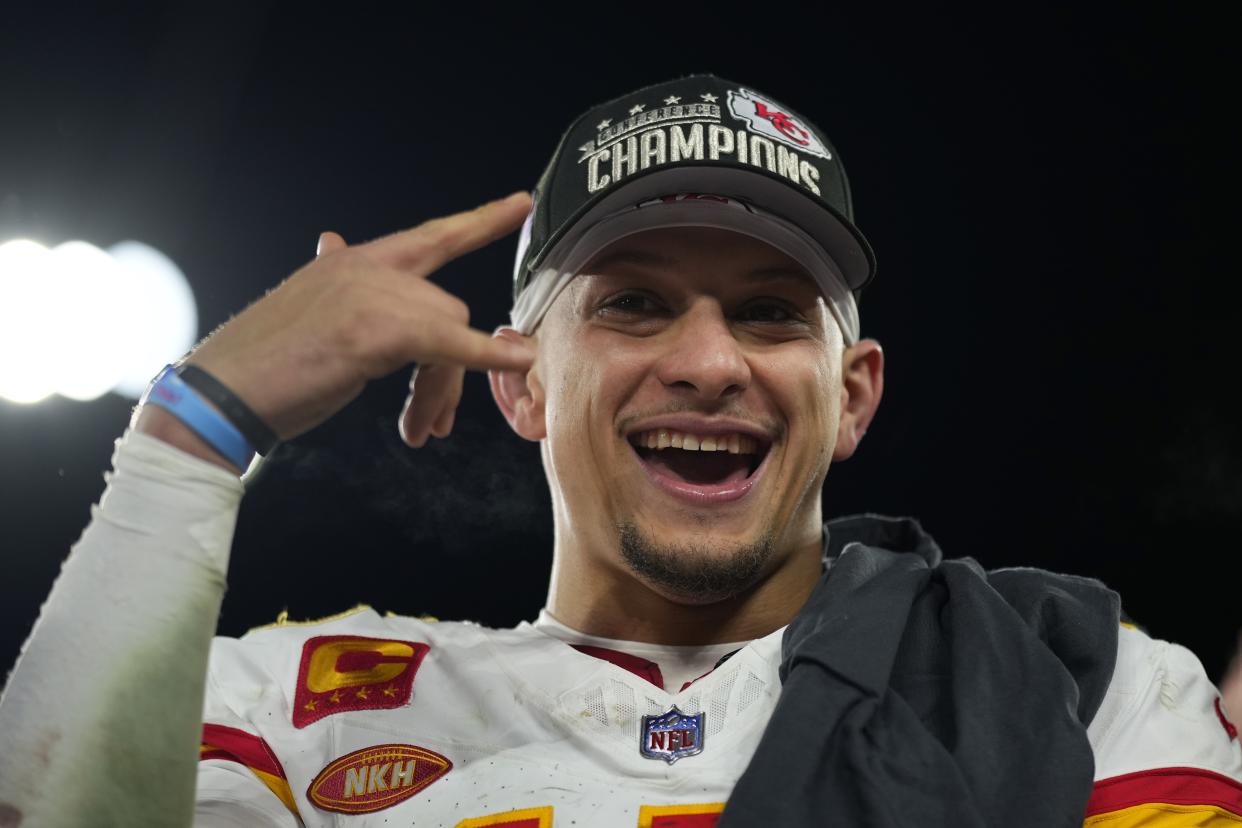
x=217, y=437
x=160, y=424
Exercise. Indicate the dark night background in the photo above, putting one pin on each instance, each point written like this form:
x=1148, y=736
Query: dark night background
x=1046, y=193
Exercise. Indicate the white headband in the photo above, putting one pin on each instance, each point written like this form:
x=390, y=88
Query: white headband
x=688, y=210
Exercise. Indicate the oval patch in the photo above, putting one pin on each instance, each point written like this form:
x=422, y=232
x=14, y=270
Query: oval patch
x=375, y=778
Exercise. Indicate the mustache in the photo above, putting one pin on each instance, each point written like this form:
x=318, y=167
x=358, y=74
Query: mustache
x=730, y=410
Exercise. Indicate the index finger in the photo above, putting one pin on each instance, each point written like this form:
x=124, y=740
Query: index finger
x=429, y=246
x=452, y=344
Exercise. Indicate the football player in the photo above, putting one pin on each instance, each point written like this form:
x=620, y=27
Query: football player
x=685, y=347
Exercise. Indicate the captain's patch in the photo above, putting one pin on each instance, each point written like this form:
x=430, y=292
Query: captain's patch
x=344, y=672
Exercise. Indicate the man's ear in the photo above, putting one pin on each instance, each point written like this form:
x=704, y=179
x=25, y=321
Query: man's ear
x=518, y=395
x=862, y=385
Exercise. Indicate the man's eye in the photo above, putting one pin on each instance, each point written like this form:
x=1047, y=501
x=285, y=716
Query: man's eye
x=765, y=312
x=630, y=303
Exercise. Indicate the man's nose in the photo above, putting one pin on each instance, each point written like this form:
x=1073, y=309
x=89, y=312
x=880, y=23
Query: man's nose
x=703, y=354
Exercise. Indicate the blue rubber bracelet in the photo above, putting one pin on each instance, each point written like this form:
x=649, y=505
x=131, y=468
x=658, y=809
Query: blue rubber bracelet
x=171, y=393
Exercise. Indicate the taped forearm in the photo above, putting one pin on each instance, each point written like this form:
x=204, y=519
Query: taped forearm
x=101, y=717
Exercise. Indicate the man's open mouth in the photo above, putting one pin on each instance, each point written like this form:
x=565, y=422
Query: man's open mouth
x=711, y=466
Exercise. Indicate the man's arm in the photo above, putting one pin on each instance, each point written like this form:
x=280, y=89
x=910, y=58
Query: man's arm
x=100, y=720
x=109, y=687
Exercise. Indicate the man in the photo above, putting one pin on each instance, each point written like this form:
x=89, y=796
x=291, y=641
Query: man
x=685, y=348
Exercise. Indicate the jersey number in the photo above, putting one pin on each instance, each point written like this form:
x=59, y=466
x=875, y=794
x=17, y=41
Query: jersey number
x=649, y=816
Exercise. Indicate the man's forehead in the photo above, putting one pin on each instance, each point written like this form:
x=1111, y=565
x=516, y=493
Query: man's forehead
x=716, y=245
x=657, y=252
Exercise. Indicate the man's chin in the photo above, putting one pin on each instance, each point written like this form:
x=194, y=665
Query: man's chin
x=695, y=569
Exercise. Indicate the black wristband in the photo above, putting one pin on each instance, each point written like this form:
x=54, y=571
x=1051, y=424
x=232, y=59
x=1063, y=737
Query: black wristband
x=257, y=432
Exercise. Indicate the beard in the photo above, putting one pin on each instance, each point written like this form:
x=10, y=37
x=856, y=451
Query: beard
x=695, y=573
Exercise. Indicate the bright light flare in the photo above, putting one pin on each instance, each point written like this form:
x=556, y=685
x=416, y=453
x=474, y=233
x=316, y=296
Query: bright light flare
x=158, y=310
x=27, y=298
x=80, y=321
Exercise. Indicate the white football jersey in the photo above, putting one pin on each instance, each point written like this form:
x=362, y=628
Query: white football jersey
x=365, y=720
x=503, y=727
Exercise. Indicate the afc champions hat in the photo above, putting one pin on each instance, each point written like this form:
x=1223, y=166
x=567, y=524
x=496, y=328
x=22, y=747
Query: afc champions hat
x=698, y=151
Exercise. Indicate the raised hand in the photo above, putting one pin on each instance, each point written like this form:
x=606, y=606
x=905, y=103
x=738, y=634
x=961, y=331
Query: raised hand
x=355, y=313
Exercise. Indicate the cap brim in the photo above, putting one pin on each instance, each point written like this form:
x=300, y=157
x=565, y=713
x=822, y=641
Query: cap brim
x=843, y=242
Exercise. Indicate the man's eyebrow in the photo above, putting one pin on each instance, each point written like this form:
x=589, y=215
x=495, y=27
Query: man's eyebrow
x=779, y=274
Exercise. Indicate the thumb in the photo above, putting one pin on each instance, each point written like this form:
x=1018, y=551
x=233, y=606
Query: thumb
x=329, y=242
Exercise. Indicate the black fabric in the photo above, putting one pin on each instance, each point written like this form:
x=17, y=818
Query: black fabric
x=920, y=691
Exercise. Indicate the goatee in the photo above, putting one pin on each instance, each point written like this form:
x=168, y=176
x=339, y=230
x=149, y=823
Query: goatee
x=695, y=573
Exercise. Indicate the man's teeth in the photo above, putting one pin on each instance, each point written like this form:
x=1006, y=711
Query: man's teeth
x=663, y=438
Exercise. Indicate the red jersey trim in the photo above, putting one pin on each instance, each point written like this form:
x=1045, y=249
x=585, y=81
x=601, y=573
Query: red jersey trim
x=233, y=745
x=641, y=667
x=1174, y=786
x=220, y=742
x=1224, y=721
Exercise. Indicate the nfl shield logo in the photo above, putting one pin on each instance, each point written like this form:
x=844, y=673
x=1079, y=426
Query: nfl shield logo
x=671, y=735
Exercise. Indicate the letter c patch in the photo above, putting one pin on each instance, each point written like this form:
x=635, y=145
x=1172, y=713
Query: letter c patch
x=349, y=672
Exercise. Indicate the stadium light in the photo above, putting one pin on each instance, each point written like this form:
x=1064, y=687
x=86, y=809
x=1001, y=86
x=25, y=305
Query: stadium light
x=79, y=321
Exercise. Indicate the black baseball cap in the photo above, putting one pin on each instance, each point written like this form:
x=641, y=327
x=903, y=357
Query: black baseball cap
x=699, y=134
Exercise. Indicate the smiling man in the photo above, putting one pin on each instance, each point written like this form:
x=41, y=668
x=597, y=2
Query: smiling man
x=689, y=397
x=685, y=347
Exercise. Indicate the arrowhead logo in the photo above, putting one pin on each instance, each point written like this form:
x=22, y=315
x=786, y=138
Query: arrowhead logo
x=765, y=118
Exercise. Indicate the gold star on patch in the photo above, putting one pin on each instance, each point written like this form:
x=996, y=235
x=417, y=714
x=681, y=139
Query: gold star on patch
x=672, y=99
x=604, y=124
x=310, y=705
x=709, y=97
x=637, y=108
x=335, y=698
x=390, y=691
x=362, y=693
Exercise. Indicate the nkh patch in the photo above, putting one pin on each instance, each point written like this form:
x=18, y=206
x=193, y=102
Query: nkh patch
x=349, y=672
x=375, y=778
x=671, y=735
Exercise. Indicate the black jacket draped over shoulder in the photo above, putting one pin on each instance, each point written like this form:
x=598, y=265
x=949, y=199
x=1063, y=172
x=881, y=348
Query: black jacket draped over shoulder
x=929, y=692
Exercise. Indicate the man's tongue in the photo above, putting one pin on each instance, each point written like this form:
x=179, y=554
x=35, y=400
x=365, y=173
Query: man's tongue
x=701, y=467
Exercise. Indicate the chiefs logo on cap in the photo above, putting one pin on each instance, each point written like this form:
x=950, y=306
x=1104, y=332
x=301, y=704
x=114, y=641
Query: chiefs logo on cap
x=349, y=672
x=764, y=117
x=375, y=778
